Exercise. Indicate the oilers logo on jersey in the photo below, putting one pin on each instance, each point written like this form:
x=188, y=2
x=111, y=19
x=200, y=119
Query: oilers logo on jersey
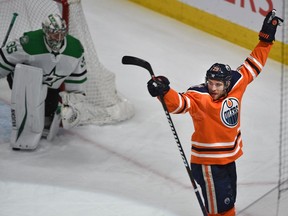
x=230, y=112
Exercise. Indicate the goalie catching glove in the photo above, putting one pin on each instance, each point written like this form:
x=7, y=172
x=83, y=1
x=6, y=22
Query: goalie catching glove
x=71, y=109
x=269, y=27
x=158, y=86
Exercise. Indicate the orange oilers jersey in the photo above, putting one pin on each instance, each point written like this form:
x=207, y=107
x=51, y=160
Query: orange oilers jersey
x=217, y=135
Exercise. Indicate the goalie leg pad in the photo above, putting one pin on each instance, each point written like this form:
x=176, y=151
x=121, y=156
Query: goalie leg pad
x=27, y=107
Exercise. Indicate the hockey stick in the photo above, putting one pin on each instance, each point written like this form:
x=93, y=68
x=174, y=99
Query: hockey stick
x=131, y=60
x=9, y=29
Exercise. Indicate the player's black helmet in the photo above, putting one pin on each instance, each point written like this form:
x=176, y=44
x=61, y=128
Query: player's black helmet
x=220, y=72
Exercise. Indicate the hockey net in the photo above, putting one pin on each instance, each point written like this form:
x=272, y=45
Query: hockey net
x=104, y=105
x=283, y=150
x=274, y=202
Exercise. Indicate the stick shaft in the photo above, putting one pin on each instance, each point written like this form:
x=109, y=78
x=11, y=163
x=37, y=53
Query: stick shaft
x=182, y=153
x=9, y=29
x=131, y=60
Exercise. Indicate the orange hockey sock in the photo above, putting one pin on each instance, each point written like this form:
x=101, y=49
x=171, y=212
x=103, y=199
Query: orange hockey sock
x=230, y=212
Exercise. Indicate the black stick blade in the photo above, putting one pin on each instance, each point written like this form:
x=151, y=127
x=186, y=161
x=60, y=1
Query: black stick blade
x=132, y=60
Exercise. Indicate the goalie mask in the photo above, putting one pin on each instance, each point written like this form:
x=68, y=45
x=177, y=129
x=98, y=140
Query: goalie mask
x=55, y=30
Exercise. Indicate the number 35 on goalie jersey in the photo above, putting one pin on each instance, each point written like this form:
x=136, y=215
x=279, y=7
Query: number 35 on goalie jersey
x=217, y=135
x=67, y=66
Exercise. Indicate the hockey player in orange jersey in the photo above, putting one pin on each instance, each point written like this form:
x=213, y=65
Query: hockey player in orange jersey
x=215, y=109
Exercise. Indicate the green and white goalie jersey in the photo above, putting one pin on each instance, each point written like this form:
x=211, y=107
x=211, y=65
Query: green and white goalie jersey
x=68, y=66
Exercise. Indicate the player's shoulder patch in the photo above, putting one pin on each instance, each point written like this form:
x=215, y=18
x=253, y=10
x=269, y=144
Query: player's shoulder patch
x=199, y=88
x=30, y=36
x=33, y=42
x=24, y=40
x=236, y=76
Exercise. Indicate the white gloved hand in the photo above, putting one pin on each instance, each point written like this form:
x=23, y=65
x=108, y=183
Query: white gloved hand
x=71, y=109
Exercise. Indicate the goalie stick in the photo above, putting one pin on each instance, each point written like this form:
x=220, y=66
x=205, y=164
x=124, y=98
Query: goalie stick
x=131, y=60
x=9, y=29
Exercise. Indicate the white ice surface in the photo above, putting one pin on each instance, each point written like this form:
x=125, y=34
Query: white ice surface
x=134, y=168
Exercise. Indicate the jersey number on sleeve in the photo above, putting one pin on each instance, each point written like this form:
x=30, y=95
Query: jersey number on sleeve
x=11, y=47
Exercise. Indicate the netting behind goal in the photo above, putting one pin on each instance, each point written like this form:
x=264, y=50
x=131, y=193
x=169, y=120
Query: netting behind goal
x=270, y=204
x=104, y=105
x=283, y=150
x=274, y=202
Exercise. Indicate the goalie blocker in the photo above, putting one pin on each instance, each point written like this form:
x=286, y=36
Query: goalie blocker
x=28, y=109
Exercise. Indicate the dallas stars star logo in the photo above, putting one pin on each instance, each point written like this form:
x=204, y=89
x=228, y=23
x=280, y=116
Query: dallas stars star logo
x=52, y=77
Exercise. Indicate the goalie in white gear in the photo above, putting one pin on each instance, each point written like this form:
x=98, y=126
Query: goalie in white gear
x=60, y=56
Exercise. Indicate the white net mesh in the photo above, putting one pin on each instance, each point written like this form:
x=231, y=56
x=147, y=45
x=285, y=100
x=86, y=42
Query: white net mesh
x=101, y=90
x=267, y=205
x=104, y=105
x=30, y=14
x=274, y=202
x=283, y=177
x=283, y=150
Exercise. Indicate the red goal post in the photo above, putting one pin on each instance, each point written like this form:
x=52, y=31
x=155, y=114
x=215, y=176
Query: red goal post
x=104, y=104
